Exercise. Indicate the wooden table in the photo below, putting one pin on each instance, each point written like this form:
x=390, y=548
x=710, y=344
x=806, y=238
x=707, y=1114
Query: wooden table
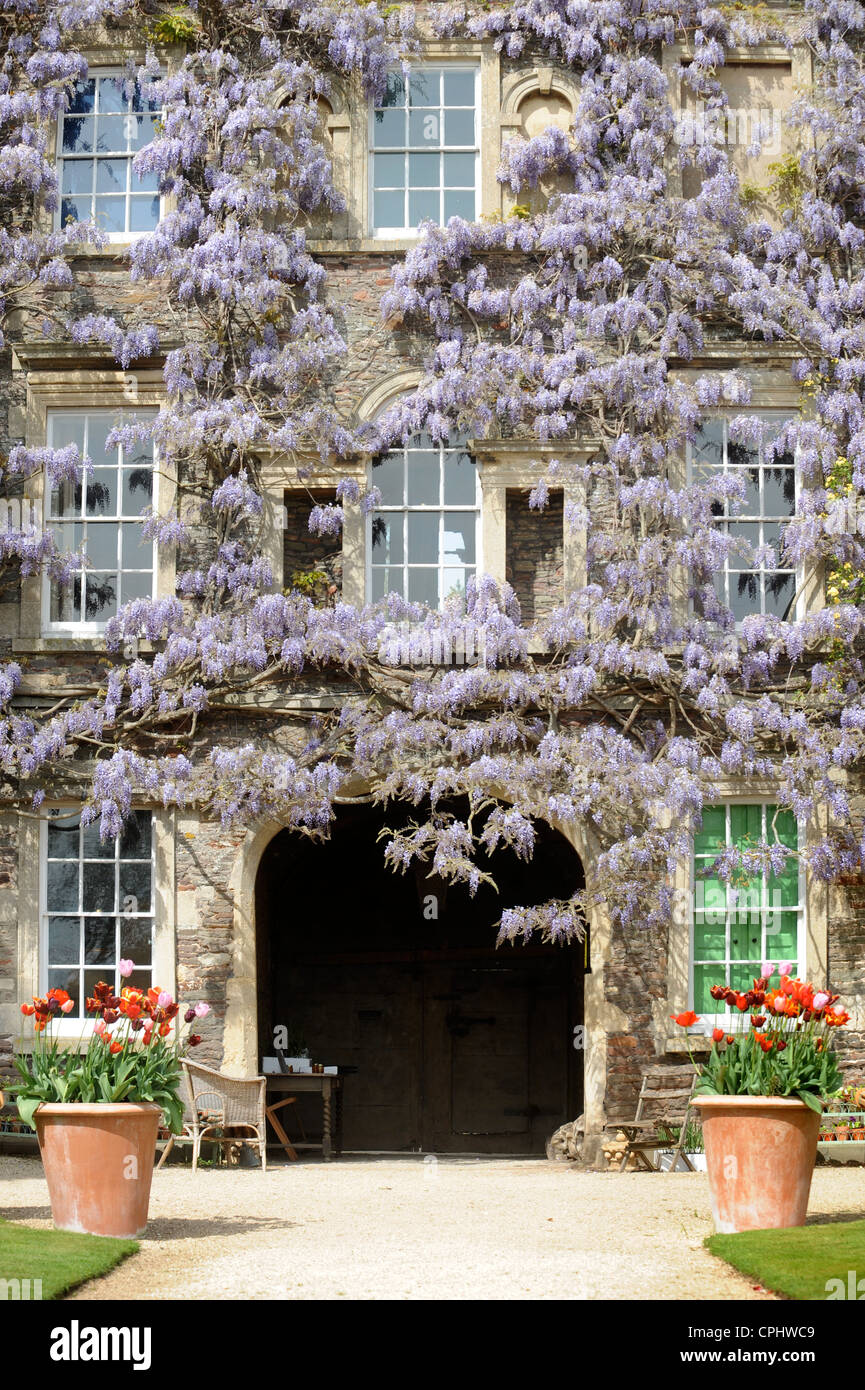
x=294, y=1083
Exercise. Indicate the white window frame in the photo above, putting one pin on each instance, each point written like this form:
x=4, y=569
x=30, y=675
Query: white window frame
x=770, y=416
x=439, y=508
x=116, y=415
x=391, y=233
x=723, y=1018
x=61, y=157
x=71, y=1025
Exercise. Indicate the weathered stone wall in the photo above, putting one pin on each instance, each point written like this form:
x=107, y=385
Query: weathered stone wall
x=301, y=551
x=535, y=552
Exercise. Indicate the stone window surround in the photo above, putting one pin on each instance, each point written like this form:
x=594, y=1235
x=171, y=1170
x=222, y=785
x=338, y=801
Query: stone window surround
x=499, y=101
x=29, y=981
x=108, y=53
x=503, y=464
x=818, y=900
x=99, y=70
x=81, y=389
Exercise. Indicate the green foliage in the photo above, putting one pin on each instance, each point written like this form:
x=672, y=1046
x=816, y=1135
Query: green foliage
x=693, y=1137
x=177, y=27
x=61, y=1259
x=788, y=183
x=800, y=1261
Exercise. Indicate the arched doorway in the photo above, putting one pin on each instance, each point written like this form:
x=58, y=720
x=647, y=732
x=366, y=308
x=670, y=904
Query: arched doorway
x=455, y=1046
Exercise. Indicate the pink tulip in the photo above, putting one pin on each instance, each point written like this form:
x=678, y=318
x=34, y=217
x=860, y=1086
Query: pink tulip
x=786, y=967
x=767, y=969
x=67, y=1007
x=778, y=1006
x=164, y=1000
x=820, y=1001
x=125, y=968
x=99, y=1026
x=202, y=1009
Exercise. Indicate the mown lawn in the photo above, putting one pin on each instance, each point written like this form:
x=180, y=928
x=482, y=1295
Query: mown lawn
x=799, y=1261
x=61, y=1259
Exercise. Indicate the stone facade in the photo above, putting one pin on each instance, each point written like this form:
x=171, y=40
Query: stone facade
x=206, y=877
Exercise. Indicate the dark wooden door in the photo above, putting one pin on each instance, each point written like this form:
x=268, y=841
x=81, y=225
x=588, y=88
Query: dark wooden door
x=495, y=1062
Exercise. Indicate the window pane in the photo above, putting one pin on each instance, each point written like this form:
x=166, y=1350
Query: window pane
x=111, y=96
x=744, y=597
x=454, y=581
x=423, y=538
x=63, y=837
x=458, y=543
x=779, y=491
x=110, y=214
x=424, y=87
x=423, y=586
x=111, y=175
x=782, y=936
x=100, y=597
x=78, y=135
x=423, y=205
x=136, y=837
x=746, y=822
x=389, y=209
x=92, y=847
x=136, y=584
x=388, y=475
x=111, y=135
x=83, y=96
x=75, y=210
x=143, y=214
x=136, y=940
x=388, y=128
x=64, y=940
x=62, y=887
x=77, y=177
x=459, y=88
x=97, y=887
x=423, y=477
x=387, y=539
x=459, y=127
x=394, y=90
x=424, y=170
x=459, y=203
x=135, y=887
x=389, y=170
x=424, y=128
x=779, y=591
x=460, y=479
x=136, y=551
x=101, y=491
x=704, y=977
x=137, y=489
x=459, y=170
x=102, y=545
x=745, y=940
x=99, y=940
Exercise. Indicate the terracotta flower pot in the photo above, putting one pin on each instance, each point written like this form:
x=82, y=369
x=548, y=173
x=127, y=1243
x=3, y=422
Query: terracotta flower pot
x=760, y=1154
x=98, y=1161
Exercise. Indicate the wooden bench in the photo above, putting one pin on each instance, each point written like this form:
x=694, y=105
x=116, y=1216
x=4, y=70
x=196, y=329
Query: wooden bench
x=664, y=1104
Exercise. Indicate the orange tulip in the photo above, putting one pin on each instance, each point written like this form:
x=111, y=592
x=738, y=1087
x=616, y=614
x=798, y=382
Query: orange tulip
x=685, y=1020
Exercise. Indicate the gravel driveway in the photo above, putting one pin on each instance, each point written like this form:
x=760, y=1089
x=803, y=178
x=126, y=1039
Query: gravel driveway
x=401, y=1228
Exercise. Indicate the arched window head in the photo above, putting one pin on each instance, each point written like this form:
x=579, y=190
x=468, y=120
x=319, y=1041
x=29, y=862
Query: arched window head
x=424, y=537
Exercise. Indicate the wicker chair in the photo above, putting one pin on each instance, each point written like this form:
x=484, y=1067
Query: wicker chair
x=225, y=1103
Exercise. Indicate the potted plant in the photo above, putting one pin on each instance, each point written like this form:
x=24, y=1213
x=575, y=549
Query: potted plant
x=96, y=1108
x=760, y=1095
